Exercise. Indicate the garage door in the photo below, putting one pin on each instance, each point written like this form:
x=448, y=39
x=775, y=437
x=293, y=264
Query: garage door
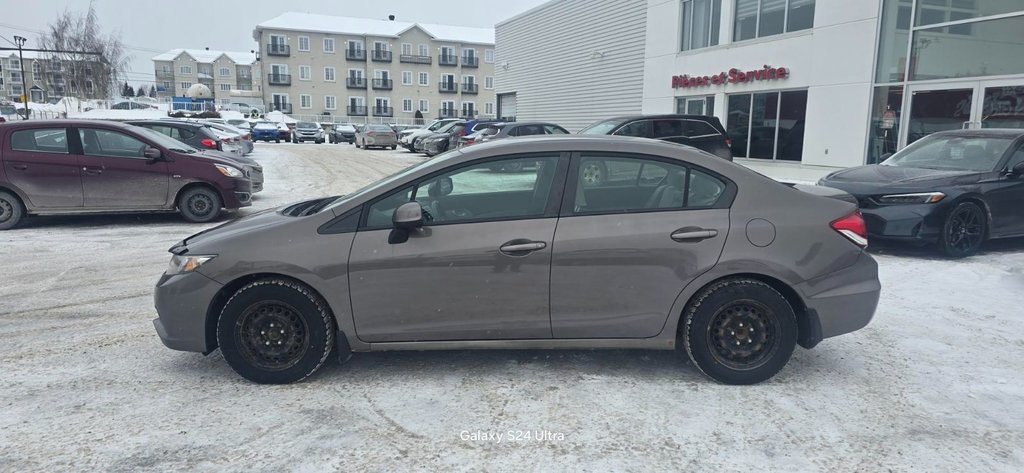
x=507, y=106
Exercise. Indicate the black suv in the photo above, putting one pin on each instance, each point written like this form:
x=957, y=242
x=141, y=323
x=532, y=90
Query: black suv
x=699, y=131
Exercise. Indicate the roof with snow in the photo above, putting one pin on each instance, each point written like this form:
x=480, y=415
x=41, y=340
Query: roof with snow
x=207, y=55
x=294, y=21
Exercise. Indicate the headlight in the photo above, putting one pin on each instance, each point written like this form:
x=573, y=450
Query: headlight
x=228, y=170
x=187, y=263
x=919, y=198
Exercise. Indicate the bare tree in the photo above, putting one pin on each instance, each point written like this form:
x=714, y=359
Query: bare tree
x=92, y=63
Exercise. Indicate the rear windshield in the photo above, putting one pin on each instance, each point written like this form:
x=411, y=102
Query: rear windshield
x=600, y=128
x=378, y=128
x=265, y=125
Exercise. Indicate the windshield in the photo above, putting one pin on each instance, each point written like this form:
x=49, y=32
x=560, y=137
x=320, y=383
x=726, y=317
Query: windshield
x=952, y=152
x=447, y=128
x=266, y=126
x=393, y=178
x=600, y=128
x=436, y=125
x=305, y=125
x=163, y=140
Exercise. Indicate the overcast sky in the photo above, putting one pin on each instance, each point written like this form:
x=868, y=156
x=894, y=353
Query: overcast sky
x=149, y=28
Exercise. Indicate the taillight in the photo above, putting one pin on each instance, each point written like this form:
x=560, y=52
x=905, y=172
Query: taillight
x=208, y=143
x=469, y=142
x=371, y=133
x=246, y=137
x=728, y=142
x=853, y=228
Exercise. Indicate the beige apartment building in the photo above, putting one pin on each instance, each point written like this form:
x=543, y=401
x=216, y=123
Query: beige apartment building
x=360, y=69
x=44, y=78
x=229, y=75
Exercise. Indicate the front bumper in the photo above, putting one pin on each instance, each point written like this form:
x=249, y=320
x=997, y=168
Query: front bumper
x=918, y=222
x=843, y=301
x=305, y=137
x=182, y=302
x=239, y=195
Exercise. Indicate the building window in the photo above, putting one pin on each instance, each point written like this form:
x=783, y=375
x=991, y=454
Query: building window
x=406, y=49
x=760, y=18
x=224, y=72
x=407, y=105
x=305, y=101
x=186, y=85
x=15, y=76
x=303, y=43
x=489, y=56
x=701, y=19
x=768, y=125
x=406, y=77
x=205, y=70
x=328, y=45
x=448, y=108
x=167, y=86
x=695, y=105
x=979, y=50
x=165, y=69
x=424, y=79
x=185, y=70
x=424, y=50
x=329, y=74
x=36, y=69
x=225, y=87
x=468, y=109
x=424, y=105
x=305, y=72
x=489, y=108
x=330, y=102
x=488, y=82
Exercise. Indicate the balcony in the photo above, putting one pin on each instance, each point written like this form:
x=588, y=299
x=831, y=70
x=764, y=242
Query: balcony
x=381, y=56
x=470, y=61
x=415, y=59
x=279, y=79
x=355, y=82
x=275, y=49
x=356, y=111
x=470, y=88
x=447, y=113
x=448, y=87
x=448, y=60
x=383, y=111
x=282, y=107
x=382, y=84
x=165, y=75
x=355, y=54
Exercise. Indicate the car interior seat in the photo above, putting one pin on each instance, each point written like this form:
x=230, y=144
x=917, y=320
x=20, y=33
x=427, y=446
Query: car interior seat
x=670, y=194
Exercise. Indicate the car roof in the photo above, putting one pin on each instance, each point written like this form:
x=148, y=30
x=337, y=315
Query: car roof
x=626, y=118
x=64, y=123
x=178, y=123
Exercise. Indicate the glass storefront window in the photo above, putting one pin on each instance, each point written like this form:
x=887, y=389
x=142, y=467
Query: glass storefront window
x=992, y=47
x=1003, y=107
x=933, y=111
x=892, y=45
x=760, y=18
x=700, y=23
x=695, y=105
x=886, y=110
x=930, y=12
x=767, y=125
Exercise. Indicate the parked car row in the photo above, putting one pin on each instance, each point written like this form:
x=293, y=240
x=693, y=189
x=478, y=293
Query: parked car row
x=98, y=166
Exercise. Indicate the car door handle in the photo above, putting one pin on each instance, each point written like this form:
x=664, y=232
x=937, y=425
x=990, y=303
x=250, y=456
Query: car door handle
x=684, y=235
x=93, y=171
x=522, y=246
x=20, y=167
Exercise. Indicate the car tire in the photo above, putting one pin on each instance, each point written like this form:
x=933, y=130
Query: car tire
x=277, y=141
x=394, y=147
x=275, y=331
x=964, y=230
x=739, y=331
x=200, y=204
x=11, y=210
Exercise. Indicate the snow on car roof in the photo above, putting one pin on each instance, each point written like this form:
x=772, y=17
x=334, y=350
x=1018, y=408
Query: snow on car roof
x=295, y=21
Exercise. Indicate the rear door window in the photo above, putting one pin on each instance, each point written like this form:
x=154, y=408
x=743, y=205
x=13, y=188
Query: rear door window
x=610, y=184
x=555, y=130
x=667, y=128
x=43, y=140
x=698, y=128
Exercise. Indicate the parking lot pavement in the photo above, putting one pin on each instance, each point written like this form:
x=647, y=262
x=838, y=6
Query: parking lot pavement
x=933, y=384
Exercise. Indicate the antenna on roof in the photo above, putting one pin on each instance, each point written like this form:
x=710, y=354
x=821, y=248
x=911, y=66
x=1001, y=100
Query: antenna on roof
x=391, y=17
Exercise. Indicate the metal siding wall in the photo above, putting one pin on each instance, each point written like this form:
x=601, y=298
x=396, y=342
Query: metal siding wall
x=552, y=67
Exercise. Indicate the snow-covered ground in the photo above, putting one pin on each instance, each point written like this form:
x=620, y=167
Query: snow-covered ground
x=933, y=384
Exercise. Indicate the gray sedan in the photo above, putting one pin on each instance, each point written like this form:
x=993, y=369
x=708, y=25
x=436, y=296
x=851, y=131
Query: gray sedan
x=379, y=136
x=673, y=249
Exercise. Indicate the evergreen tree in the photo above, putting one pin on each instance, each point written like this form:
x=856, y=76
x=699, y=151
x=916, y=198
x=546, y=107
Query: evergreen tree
x=127, y=90
x=152, y=92
x=141, y=92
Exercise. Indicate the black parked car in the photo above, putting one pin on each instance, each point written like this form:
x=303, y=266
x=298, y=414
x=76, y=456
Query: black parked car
x=202, y=137
x=700, y=131
x=954, y=188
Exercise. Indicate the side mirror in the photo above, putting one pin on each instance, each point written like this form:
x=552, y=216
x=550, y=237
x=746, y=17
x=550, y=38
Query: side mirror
x=884, y=157
x=408, y=216
x=152, y=153
x=1018, y=169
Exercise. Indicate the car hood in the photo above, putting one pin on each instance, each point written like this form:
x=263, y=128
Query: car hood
x=876, y=178
x=309, y=129
x=228, y=157
x=213, y=240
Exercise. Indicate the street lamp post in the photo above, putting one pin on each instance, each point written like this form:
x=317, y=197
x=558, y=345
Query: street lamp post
x=20, y=41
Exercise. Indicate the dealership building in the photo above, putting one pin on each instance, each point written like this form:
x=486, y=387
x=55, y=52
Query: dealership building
x=832, y=83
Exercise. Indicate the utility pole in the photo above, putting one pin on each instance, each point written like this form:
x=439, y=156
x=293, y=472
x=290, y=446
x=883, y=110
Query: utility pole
x=20, y=41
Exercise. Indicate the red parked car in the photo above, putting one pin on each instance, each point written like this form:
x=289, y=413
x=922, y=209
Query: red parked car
x=92, y=166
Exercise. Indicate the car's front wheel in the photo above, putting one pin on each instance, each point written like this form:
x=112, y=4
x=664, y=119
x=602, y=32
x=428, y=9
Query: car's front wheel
x=199, y=204
x=739, y=331
x=11, y=211
x=275, y=331
x=964, y=230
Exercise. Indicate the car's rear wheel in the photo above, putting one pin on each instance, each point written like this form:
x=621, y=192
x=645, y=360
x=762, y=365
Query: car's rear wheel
x=964, y=230
x=275, y=331
x=739, y=331
x=199, y=204
x=11, y=211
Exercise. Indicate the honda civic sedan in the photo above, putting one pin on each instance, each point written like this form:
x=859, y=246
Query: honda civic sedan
x=954, y=189
x=676, y=249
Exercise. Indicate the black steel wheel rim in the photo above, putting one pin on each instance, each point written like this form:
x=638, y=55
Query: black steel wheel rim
x=743, y=335
x=6, y=210
x=200, y=204
x=965, y=230
x=271, y=335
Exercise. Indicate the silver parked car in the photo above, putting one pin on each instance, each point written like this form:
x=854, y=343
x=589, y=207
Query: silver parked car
x=308, y=131
x=675, y=249
x=378, y=136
